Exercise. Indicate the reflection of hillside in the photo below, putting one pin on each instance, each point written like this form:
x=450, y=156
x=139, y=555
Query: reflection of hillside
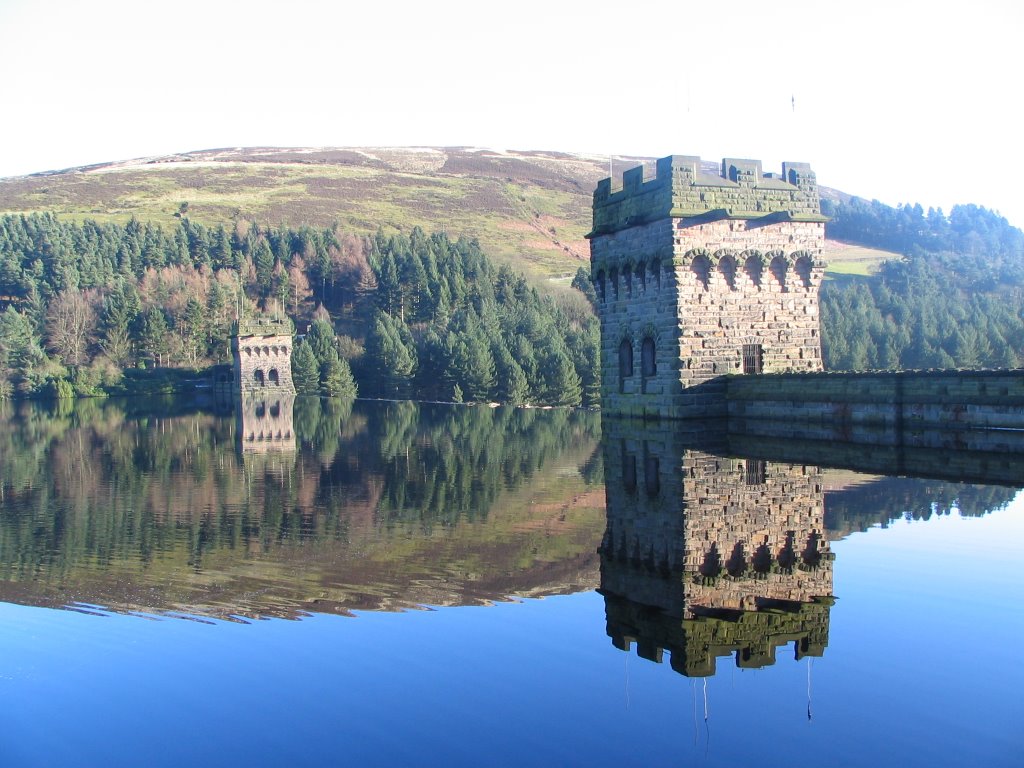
x=381, y=506
x=705, y=555
x=886, y=499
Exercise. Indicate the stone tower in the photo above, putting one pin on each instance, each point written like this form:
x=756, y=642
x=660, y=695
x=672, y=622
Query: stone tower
x=262, y=352
x=699, y=276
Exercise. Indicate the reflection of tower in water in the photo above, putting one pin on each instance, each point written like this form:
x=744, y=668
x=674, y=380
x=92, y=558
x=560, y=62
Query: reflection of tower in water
x=705, y=555
x=264, y=432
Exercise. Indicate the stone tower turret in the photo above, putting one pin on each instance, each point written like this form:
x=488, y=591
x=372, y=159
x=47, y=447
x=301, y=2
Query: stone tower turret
x=262, y=353
x=699, y=276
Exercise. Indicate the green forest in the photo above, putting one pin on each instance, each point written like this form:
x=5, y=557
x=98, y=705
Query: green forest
x=90, y=309
x=86, y=306
x=956, y=299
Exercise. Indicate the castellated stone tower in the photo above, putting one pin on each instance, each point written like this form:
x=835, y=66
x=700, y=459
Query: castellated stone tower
x=262, y=352
x=699, y=276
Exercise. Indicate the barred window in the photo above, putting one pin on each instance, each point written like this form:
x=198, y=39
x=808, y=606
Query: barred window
x=753, y=358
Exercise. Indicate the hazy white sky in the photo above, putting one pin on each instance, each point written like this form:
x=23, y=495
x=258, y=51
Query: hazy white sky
x=901, y=101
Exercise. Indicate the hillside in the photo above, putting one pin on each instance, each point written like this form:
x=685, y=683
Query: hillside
x=531, y=209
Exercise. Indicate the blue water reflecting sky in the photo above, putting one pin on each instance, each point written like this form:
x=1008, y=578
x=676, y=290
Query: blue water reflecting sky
x=920, y=669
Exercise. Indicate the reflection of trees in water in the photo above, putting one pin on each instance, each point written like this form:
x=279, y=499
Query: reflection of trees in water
x=882, y=501
x=99, y=483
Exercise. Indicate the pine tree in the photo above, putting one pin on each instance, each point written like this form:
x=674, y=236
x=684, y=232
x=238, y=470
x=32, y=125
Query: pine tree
x=336, y=377
x=305, y=371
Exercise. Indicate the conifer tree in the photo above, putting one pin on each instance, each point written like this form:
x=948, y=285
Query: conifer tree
x=305, y=371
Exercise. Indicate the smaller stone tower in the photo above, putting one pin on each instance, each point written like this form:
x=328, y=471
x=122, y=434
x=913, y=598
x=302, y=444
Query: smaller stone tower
x=262, y=353
x=701, y=275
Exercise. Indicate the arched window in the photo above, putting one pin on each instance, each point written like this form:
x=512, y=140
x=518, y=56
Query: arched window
x=258, y=377
x=754, y=268
x=656, y=272
x=641, y=277
x=613, y=278
x=652, y=479
x=778, y=268
x=701, y=268
x=625, y=362
x=803, y=267
x=274, y=379
x=599, y=284
x=628, y=469
x=648, y=361
x=727, y=266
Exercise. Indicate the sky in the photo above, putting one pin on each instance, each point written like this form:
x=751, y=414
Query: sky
x=899, y=101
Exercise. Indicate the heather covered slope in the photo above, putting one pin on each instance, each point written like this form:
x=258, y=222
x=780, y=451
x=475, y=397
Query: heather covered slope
x=530, y=208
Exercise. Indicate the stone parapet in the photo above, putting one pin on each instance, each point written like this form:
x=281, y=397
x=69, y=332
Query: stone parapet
x=897, y=401
x=680, y=189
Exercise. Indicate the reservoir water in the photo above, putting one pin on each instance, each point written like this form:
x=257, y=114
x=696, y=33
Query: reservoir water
x=381, y=584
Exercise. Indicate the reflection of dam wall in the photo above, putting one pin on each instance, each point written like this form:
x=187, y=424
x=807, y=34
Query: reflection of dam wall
x=706, y=555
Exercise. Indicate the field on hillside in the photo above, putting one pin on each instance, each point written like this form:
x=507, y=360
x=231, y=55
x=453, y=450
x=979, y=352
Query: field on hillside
x=529, y=209
x=845, y=259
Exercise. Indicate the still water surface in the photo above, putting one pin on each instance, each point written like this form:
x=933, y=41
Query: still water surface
x=402, y=584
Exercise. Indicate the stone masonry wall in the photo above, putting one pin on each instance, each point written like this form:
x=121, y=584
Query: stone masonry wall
x=739, y=285
x=896, y=402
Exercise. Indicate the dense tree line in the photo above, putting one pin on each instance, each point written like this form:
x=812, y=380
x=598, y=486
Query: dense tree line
x=956, y=299
x=430, y=317
x=410, y=316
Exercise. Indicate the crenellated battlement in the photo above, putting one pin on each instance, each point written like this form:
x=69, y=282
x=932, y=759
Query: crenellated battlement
x=681, y=189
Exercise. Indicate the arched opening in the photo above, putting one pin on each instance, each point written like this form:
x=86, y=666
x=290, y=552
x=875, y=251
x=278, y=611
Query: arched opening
x=803, y=267
x=656, y=273
x=648, y=360
x=641, y=277
x=599, y=284
x=625, y=362
x=754, y=269
x=652, y=478
x=779, y=267
x=258, y=377
x=627, y=277
x=628, y=469
x=273, y=377
x=727, y=266
x=275, y=410
x=613, y=277
x=701, y=268
x=260, y=411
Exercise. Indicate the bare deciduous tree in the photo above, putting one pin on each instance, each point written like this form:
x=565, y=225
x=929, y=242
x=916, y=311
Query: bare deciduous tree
x=71, y=325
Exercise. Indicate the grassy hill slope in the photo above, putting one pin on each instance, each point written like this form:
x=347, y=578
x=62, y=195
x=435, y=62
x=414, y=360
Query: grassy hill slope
x=528, y=208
